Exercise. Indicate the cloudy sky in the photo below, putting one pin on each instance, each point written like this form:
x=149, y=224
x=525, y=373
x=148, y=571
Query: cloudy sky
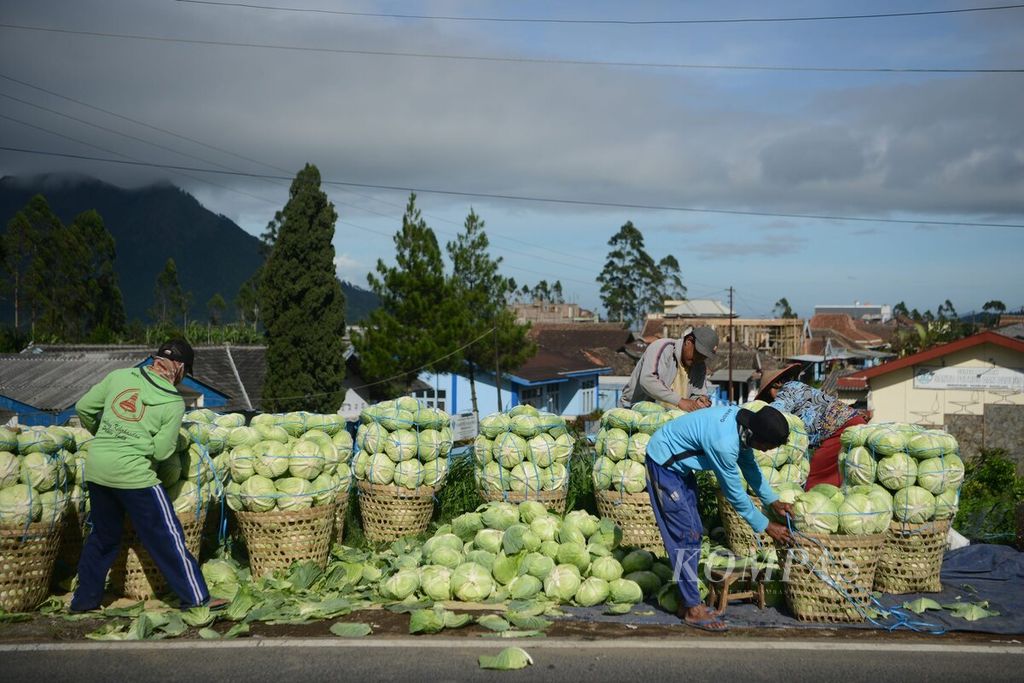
x=919, y=148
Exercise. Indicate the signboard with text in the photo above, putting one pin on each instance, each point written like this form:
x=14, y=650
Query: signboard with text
x=969, y=378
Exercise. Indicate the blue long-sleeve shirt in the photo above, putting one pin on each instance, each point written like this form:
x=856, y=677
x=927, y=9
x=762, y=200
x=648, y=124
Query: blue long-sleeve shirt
x=708, y=439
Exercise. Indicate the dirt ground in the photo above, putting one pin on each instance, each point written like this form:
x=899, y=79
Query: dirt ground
x=386, y=624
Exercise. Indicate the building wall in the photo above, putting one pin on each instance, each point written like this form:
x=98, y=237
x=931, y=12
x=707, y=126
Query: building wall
x=894, y=398
x=563, y=398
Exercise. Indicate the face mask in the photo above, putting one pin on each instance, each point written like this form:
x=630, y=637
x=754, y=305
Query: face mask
x=746, y=436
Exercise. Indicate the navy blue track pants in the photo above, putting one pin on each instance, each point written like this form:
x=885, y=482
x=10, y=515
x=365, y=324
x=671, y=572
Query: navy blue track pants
x=158, y=528
x=674, y=500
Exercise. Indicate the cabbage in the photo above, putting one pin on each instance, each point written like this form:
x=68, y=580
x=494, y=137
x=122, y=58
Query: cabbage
x=776, y=457
x=924, y=445
x=853, y=437
x=510, y=449
x=9, y=440
x=858, y=515
x=606, y=568
x=466, y=525
x=42, y=471
x=546, y=527
x=500, y=515
x=604, y=473
x=200, y=415
x=530, y=510
x=216, y=440
x=184, y=496
x=552, y=424
x=409, y=474
x=271, y=459
x=525, y=587
x=401, y=445
x=471, y=582
x=887, y=441
x=831, y=492
x=407, y=403
x=636, y=448
x=593, y=591
x=324, y=489
x=360, y=464
x=401, y=584
x=19, y=505
x=541, y=450
x=305, y=460
x=36, y=440
x=374, y=438
x=616, y=444
x=481, y=557
x=434, y=472
x=168, y=471
x=940, y=474
x=788, y=492
x=495, y=424
x=607, y=534
x=913, y=505
x=342, y=441
x=518, y=538
x=896, y=471
x=242, y=436
x=270, y=432
x=258, y=494
x=428, y=444
x=294, y=494
x=493, y=477
x=946, y=504
x=526, y=477
x=505, y=568
x=637, y=561
x=790, y=473
x=648, y=581
x=814, y=513
x=575, y=554
x=647, y=408
x=562, y=450
x=537, y=565
x=380, y=469
x=562, y=583
x=630, y=476
x=549, y=549
x=446, y=556
x=620, y=418
x=489, y=540
x=624, y=591
x=858, y=466
x=397, y=420
x=525, y=426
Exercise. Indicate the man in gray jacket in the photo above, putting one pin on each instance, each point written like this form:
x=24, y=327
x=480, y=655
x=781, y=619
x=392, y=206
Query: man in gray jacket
x=673, y=372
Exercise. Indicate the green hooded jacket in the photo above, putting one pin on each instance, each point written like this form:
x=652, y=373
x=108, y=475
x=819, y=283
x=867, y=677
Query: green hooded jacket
x=135, y=415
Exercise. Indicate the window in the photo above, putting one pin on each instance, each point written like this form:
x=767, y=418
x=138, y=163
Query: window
x=432, y=398
x=532, y=396
x=588, y=396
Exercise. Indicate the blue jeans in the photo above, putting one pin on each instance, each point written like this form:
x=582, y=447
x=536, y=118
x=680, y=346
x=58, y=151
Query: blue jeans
x=160, y=532
x=674, y=501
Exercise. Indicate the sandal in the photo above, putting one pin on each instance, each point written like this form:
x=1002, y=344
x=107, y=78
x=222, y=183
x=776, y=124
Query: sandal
x=707, y=624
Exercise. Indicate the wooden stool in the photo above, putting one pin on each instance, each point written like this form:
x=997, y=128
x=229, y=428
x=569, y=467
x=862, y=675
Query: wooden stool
x=720, y=586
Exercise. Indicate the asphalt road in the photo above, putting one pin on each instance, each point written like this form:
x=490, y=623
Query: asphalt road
x=400, y=660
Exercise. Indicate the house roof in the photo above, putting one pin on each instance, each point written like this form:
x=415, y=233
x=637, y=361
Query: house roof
x=846, y=327
x=237, y=372
x=1015, y=331
x=859, y=380
x=55, y=382
x=699, y=308
x=654, y=329
x=565, y=349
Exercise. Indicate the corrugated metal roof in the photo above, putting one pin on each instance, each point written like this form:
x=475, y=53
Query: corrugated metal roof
x=699, y=308
x=56, y=382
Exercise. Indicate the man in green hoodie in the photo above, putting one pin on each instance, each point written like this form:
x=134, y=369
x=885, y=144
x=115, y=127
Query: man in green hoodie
x=135, y=415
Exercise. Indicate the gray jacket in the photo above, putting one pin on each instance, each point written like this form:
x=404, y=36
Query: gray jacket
x=654, y=374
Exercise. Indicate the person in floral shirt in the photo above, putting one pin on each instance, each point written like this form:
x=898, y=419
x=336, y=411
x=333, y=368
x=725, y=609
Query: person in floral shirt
x=825, y=416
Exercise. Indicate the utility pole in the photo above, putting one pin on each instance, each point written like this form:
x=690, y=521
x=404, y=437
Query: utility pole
x=730, y=346
x=497, y=367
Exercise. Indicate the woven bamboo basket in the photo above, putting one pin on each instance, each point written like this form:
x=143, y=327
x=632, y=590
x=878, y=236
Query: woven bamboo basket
x=277, y=539
x=818, y=564
x=911, y=558
x=633, y=513
x=135, y=574
x=73, y=537
x=740, y=538
x=340, y=514
x=390, y=512
x=553, y=500
x=27, y=554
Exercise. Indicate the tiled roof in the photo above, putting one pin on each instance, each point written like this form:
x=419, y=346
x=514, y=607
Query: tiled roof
x=572, y=348
x=846, y=327
x=654, y=329
x=57, y=381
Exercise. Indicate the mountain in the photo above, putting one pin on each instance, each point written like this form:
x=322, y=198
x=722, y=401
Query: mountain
x=151, y=224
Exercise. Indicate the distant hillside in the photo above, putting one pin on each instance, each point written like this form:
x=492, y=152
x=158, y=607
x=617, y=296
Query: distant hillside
x=150, y=225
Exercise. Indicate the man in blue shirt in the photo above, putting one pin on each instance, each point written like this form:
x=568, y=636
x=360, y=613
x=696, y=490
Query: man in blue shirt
x=721, y=440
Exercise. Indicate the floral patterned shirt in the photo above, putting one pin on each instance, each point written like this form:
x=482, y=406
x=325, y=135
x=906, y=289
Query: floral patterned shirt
x=823, y=414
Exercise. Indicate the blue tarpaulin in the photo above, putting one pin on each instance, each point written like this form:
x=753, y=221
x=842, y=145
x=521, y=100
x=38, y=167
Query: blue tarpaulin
x=992, y=573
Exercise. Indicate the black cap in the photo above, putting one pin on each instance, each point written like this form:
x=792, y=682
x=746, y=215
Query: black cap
x=179, y=350
x=768, y=425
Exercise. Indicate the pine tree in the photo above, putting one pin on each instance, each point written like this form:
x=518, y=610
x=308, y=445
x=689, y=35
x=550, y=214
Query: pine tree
x=105, y=318
x=169, y=301
x=482, y=291
x=417, y=326
x=627, y=276
x=215, y=308
x=303, y=305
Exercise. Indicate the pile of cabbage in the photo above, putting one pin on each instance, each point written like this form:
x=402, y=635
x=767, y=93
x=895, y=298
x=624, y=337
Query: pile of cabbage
x=40, y=473
x=621, y=445
x=523, y=552
x=403, y=443
x=523, y=450
x=785, y=468
x=920, y=468
x=857, y=511
x=279, y=462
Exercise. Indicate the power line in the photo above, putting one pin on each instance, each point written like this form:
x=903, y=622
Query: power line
x=526, y=198
x=511, y=60
x=627, y=22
